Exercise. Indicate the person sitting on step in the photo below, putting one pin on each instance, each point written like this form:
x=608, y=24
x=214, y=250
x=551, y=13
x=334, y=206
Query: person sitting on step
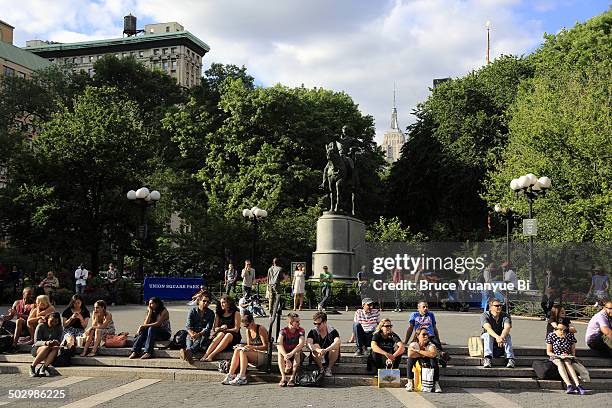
x=227, y=329
x=75, y=318
x=255, y=351
x=599, y=331
x=561, y=348
x=47, y=338
x=387, y=347
x=364, y=324
x=424, y=318
x=20, y=311
x=324, y=343
x=496, y=326
x=290, y=344
x=425, y=352
x=558, y=314
x=200, y=322
x=102, y=325
x=156, y=327
x=38, y=314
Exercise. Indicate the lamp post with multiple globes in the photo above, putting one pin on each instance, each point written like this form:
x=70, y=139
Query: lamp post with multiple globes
x=144, y=199
x=255, y=215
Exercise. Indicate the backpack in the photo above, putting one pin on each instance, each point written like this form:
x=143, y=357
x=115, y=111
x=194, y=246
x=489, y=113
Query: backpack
x=6, y=342
x=179, y=341
x=546, y=370
x=309, y=376
x=64, y=355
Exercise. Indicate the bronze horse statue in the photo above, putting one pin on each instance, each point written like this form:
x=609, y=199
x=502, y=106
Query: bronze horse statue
x=341, y=179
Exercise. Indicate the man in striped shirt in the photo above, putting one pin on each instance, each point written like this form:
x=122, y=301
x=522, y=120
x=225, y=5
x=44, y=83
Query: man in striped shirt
x=364, y=324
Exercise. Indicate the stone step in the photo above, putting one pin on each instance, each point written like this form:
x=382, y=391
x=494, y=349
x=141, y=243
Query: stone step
x=337, y=380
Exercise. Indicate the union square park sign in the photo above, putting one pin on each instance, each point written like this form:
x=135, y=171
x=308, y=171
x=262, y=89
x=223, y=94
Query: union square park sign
x=471, y=272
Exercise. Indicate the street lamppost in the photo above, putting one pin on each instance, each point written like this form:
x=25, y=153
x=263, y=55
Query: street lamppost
x=255, y=215
x=144, y=199
x=533, y=188
x=508, y=215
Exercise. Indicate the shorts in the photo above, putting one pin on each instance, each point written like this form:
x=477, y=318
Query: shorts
x=73, y=331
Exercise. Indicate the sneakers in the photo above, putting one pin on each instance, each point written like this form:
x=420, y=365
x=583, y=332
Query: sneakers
x=33, y=372
x=328, y=372
x=571, y=389
x=580, y=390
x=410, y=385
x=358, y=352
x=228, y=379
x=42, y=371
x=510, y=363
x=238, y=381
x=487, y=362
x=437, y=387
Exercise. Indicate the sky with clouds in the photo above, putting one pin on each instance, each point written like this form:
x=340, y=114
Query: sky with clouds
x=358, y=46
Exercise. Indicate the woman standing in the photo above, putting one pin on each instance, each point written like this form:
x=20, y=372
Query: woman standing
x=156, y=326
x=75, y=318
x=227, y=329
x=299, y=284
x=387, y=347
x=47, y=339
x=424, y=352
x=101, y=326
x=39, y=313
x=561, y=348
x=255, y=351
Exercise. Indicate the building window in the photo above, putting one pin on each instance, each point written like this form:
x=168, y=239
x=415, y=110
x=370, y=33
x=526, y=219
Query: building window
x=173, y=50
x=82, y=60
x=164, y=51
x=156, y=51
x=174, y=65
x=9, y=71
x=167, y=29
x=20, y=74
x=65, y=60
x=165, y=65
x=141, y=54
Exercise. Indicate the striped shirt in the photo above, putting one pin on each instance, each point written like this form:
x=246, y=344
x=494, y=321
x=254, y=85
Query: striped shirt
x=367, y=320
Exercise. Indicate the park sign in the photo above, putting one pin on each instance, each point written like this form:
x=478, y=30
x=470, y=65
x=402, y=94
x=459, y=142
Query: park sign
x=171, y=288
x=530, y=227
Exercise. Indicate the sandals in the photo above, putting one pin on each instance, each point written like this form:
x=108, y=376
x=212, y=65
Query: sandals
x=291, y=383
x=282, y=383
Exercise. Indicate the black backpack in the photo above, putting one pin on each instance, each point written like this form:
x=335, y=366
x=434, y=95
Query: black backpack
x=179, y=341
x=309, y=376
x=6, y=342
x=546, y=370
x=64, y=356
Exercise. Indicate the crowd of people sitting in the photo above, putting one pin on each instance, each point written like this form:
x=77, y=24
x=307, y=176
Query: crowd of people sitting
x=211, y=333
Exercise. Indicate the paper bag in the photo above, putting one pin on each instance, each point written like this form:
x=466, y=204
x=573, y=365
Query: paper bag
x=389, y=378
x=476, y=346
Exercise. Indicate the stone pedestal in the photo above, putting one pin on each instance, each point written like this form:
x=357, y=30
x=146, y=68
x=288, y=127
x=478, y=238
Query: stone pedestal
x=340, y=246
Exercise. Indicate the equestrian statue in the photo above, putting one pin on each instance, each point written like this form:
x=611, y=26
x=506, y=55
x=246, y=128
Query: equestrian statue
x=340, y=174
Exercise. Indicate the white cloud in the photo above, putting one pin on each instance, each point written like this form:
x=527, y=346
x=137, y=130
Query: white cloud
x=357, y=46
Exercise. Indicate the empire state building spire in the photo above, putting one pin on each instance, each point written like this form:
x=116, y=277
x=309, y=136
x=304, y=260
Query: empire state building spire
x=394, y=139
x=394, y=124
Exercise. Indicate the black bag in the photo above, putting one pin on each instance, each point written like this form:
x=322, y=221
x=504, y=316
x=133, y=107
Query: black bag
x=546, y=370
x=63, y=358
x=179, y=341
x=309, y=376
x=6, y=342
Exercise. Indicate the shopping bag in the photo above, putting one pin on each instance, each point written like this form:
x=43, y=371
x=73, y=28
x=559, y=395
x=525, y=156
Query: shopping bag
x=389, y=378
x=427, y=379
x=582, y=372
x=416, y=370
x=476, y=346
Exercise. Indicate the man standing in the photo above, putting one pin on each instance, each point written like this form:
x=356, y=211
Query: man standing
x=496, y=325
x=364, y=325
x=200, y=321
x=362, y=282
x=550, y=292
x=20, y=310
x=80, y=276
x=231, y=275
x=248, y=276
x=600, y=283
x=325, y=278
x=599, y=331
x=275, y=276
x=112, y=277
x=324, y=343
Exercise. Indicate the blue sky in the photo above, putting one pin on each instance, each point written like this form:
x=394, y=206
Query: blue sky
x=358, y=46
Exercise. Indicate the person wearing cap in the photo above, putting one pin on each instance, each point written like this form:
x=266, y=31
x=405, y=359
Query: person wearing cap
x=364, y=324
x=325, y=278
x=47, y=339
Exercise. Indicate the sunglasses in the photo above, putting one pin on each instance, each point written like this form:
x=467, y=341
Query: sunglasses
x=388, y=325
x=424, y=334
x=205, y=301
x=317, y=324
x=497, y=305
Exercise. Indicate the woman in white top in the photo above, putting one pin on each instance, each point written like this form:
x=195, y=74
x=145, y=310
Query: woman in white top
x=299, y=284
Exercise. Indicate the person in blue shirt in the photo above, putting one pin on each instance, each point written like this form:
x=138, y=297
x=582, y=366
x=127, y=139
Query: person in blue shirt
x=425, y=319
x=200, y=322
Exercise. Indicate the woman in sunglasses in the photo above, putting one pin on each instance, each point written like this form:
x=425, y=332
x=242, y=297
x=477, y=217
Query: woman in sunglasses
x=561, y=348
x=425, y=352
x=387, y=347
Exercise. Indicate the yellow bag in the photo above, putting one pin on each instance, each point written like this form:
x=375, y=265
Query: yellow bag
x=416, y=369
x=476, y=346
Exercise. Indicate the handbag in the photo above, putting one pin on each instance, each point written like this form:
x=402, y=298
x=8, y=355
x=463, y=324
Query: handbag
x=416, y=370
x=116, y=340
x=427, y=379
x=581, y=370
x=389, y=378
x=546, y=370
x=63, y=357
x=309, y=376
x=476, y=346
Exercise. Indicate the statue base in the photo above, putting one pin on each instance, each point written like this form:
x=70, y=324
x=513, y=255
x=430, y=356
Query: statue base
x=340, y=246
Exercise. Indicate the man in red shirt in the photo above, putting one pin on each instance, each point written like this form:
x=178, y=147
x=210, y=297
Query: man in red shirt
x=20, y=310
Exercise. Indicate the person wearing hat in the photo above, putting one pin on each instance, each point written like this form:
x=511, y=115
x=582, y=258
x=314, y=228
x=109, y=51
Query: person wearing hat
x=47, y=339
x=364, y=324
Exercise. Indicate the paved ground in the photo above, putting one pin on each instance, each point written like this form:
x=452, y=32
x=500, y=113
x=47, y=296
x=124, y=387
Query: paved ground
x=454, y=327
x=84, y=392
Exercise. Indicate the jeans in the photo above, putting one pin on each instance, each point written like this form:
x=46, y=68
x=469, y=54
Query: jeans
x=229, y=286
x=147, y=339
x=489, y=344
x=362, y=338
x=201, y=343
x=325, y=295
x=433, y=362
x=79, y=289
